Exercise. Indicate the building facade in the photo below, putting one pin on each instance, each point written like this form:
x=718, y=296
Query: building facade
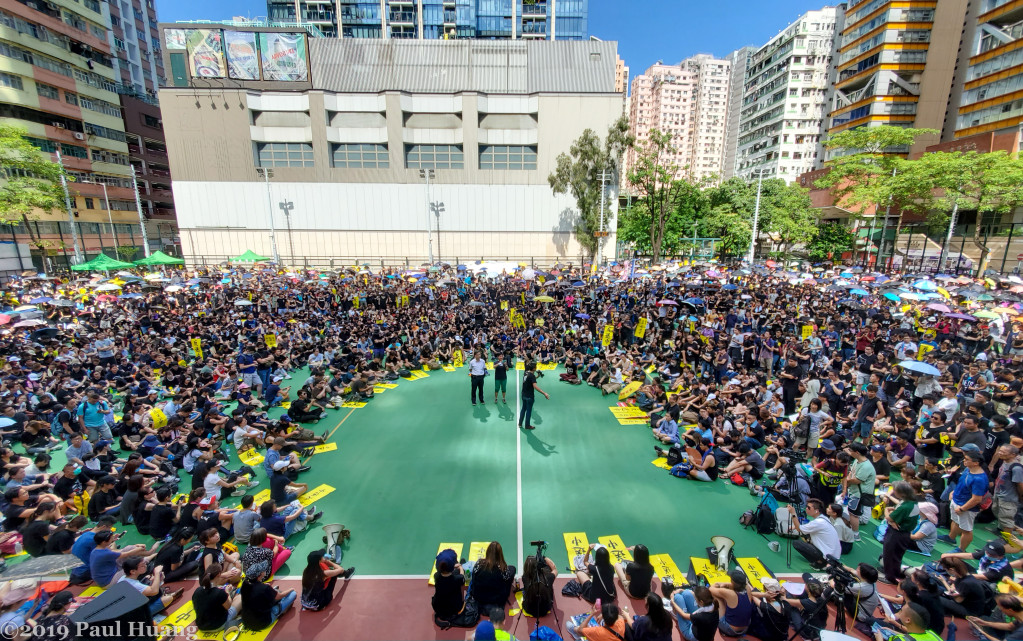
x=147, y=151
x=349, y=147
x=59, y=82
x=784, y=93
x=739, y=59
x=897, y=66
x=690, y=101
x=438, y=19
x=135, y=45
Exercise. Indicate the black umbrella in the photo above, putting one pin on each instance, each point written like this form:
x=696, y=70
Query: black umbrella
x=48, y=332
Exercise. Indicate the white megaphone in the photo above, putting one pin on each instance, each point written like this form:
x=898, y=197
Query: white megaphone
x=723, y=546
x=335, y=535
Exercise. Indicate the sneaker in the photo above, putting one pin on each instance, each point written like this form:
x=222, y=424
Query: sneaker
x=349, y=572
x=316, y=517
x=659, y=450
x=772, y=474
x=238, y=492
x=944, y=538
x=310, y=510
x=325, y=435
x=253, y=482
x=856, y=537
x=323, y=415
x=530, y=427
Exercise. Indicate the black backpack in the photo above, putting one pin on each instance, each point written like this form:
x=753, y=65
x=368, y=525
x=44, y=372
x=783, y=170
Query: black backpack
x=675, y=455
x=764, y=520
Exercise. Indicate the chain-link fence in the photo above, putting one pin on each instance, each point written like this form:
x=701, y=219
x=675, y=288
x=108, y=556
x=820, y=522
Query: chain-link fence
x=917, y=248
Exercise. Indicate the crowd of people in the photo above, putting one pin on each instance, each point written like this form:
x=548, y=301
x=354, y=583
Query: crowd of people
x=816, y=389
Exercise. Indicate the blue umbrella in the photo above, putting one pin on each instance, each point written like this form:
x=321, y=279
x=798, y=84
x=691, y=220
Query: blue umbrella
x=39, y=301
x=892, y=296
x=859, y=292
x=730, y=287
x=130, y=296
x=846, y=275
x=694, y=301
x=920, y=367
x=583, y=316
x=578, y=283
x=925, y=285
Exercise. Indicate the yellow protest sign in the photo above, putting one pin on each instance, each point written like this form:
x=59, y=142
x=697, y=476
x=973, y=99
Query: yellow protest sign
x=629, y=390
x=355, y=302
x=755, y=571
x=627, y=412
x=315, y=494
x=251, y=457
x=523, y=296
x=609, y=333
x=616, y=548
x=576, y=543
x=477, y=550
x=354, y=404
x=197, y=347
x=457, y=547
x=504, y=306
x=665, y=568
x=159, y=418
x=641, y=328
x=404, y=300
x=457, y=358
x=539, y=322
x=270, y=340
x=922, y=351
x=706, y=569
x=807, y=331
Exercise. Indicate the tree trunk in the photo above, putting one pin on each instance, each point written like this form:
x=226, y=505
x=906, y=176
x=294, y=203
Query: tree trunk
x=985, y=251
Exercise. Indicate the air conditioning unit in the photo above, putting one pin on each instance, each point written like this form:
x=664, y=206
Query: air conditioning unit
x=58, y=125
x=79, y=136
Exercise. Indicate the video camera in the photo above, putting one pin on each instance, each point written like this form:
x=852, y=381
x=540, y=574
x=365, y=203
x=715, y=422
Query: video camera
x=841, y=577
x=793, y=455
x=541, y=547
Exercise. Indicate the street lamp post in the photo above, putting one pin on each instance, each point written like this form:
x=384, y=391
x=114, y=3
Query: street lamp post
x=438, y=209
x=110, y=217
x=756, y=216
x=267, y=174
x=70, y=212
x=605, y=177
x=286, y=206
x=138, y=206
x=427, y=174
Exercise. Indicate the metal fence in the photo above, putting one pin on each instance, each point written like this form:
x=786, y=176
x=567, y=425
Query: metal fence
x=401, y=262
x=915, y=248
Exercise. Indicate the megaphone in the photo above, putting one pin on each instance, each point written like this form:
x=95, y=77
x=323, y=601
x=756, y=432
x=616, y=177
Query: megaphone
x=723, y=548
x=335, y=535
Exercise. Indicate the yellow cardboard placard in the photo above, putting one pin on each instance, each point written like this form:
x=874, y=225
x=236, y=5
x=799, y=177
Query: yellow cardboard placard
x=286, y=405
x=546, y=367
x=806, y=331
x=261, y=497
x=755, y=571
x=608, y=334
x=650, y=368
x=159, y=418
x=629, y=411
x=354, y=404
x=315, y=495
x=616, y=548
x=665, y=568
x=629, y=390
x=490, y=365
x=640, y=331
x=457, y=547
x=379, y=389
x=634, y=421
x=197, y=347
x=326, y=447
x=703, y=567
x=477, y=550
x=449, y=368
x=180, y=618
x=661, y=462
x=251, y=457
x=520, y=366
x=576, y=543
x=504, y=306
x=270, y=340
x=387, y=385
x=457, y=358
x=92, y=590
x=245, y=635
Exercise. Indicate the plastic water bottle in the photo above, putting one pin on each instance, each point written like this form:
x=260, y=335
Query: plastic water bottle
x=950, y=631
x=596, y=606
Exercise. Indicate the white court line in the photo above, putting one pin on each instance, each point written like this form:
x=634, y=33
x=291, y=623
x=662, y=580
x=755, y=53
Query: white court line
x=518, y=463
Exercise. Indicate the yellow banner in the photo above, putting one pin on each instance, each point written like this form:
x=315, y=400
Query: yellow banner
x=504, y=306
x=922, y=351
x=609, y=333
x=197, y=347
x=807, y=331
x=270, y=340
x=616, y=548
x=457, y=547
x=457, y=359
x=641, y=328
x=355, y=302
x=576, y=543
x=159, y=418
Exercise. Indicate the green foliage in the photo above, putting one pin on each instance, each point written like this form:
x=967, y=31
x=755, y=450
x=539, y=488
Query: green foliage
x=687, y=211
x=862, y=176
x=127, y=252
x=830, y=242
x=28, y=180
x=578, y=173
x=786, y=213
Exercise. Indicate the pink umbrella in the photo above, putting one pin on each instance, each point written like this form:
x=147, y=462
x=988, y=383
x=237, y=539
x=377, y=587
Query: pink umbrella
x=4, y=319
x=938, y=307
x=666, y=301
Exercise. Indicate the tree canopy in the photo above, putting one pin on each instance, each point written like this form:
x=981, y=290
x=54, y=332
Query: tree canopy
x=28, y=180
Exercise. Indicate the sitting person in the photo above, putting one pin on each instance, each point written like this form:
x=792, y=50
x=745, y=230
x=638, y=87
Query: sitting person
x=105, y=558
x=284, y=521
x=739, y=608
x=538, y=586
x=212, y=552
x=610, y=624
x=133, y=569
x=598, y=578
x=264, y=548
x=968, y=596
x=696, y=612
x=217, y=604
x=492, y=578
x=637, y=575
x=318, y=580
x=448, y=582
x=262, y=604
x=655, y=625
x=179, y=560
x=822, y=538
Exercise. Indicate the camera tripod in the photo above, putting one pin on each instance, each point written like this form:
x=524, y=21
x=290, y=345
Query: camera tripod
x=830, y=595
x=538, y=578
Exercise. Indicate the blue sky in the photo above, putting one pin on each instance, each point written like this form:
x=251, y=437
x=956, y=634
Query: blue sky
x=646, y=30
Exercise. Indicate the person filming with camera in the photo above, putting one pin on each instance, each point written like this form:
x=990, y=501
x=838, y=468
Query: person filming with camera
x=822, y=537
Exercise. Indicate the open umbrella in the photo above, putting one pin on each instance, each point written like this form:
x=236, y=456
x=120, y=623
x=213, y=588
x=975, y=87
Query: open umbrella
x=925, y=285
x=938, y=307
x=544, y=299
x=582, y=316
x=40, y=301
x=729, y=287
x=241, y=302
x=984, y=313
x=965, y=317
x=667, y=301
x=108, y=287
x=694, y=301
x=32, y=322
x=892, y=296
x=920, y=367
x=4, y=319
x=859, y=292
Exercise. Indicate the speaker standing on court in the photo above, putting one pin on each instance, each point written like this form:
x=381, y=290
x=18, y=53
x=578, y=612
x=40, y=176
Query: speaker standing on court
x=477, y=371
x=528, y=396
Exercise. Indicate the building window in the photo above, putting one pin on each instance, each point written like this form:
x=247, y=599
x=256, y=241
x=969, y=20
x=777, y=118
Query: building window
x=151, y=121
x=284, y=154
x=12, y=81
x=47, y=91
x=507, y=157
x=434, y=157
x=89, y=204
x=359, y=156
x=71, y=98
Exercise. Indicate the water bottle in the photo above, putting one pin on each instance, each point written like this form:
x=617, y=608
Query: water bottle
x=950, y=631
x=596, y=606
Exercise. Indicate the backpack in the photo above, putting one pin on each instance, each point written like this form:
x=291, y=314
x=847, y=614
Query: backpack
x=56, y=427
x=681, y=470
x=801, y=429
x=783, y=523
x=764, y=519
x=675, y=455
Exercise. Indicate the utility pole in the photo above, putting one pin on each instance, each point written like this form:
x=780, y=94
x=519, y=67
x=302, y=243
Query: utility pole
x=286, y=206
x=138, y=206
x=756, y=217
x=605, y=177
x=110, y=218
x=945, y=247
x=70, y=212
x=427, y=174
x=267, y=174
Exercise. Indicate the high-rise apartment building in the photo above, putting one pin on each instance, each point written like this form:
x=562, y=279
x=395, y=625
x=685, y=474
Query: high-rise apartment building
x=437, y=19
x=690, y=101
x=135, y=44
x=992, y=97
x=783, y=105
x=897, y=65
x=621, y=76
x=740, y=59
x=59, y=81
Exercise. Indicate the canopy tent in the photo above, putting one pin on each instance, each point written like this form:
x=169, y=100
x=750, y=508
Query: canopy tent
x=160, y=258
x=249, y=257
x=101, y=263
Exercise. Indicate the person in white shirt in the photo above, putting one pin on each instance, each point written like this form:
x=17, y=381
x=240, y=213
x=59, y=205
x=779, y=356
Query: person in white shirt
x=823, y=537
x=477, y=372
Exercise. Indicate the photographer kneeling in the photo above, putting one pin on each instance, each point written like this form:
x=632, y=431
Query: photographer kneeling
x=823, y=538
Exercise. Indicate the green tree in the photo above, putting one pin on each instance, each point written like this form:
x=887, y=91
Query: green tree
x=29, y=181
x=660, y=183
x=578, y=173
x=830, y=242
x=947, y=182
x=687, y=211
x=786, y=213
x=127, y=252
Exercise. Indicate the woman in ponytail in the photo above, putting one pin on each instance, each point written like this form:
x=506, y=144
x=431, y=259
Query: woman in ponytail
x=217, y=606
x=55, y=624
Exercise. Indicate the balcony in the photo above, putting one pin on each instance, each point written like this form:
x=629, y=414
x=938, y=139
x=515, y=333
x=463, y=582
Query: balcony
x=402, y=17
x=537, y=9
x=403, y=35
x=160, y=195
x=163, y=212
x=450, y=17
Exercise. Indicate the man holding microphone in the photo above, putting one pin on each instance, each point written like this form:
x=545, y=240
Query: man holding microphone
x=477, y=372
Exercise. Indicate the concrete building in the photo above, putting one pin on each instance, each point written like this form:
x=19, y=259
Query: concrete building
x=992, y=97
x=897, y=66
x=346, y=142
x=621, y=76
x=135, y=43
x=58, y=81
x=783, y=110
x=689, y=100
x=147, y=151
x=739, y=59
x=438, y=19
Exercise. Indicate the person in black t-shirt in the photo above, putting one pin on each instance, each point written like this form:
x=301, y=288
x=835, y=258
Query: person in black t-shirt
x=63, y=538
x=37, y=531
x=261, y=603
x=636, y=575
x=529, y=387
x=178, y=558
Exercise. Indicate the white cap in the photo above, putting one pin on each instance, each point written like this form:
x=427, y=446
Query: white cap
x=280, y=465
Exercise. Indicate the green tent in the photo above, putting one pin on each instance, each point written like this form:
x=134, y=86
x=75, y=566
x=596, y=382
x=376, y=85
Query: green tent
x=101, y=263
x=249, y=257
x=160, y=258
